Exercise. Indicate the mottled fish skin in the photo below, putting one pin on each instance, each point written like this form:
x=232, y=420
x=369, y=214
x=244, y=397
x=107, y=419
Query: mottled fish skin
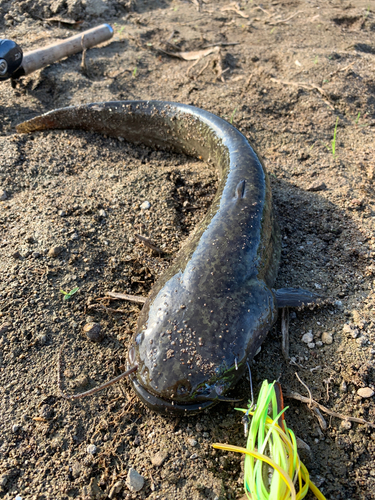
x=210, y=311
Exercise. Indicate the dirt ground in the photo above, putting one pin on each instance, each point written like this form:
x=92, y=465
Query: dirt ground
x=283, y=73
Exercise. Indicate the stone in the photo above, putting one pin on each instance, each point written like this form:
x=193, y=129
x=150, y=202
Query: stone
x=350, y=330
x=158, y=459
x=365, y=392
x=93, y=332
x=311, y=345
x=116, y=488
x=92, y=449
x=16, y=428
x=102, y=213
x=346, y=425
x=3, y=195
x=145, y=205
x=55, y=251
x=192, y=441
x=307, y=338
x=317, y=186
x=134, y=480
x=327, y=338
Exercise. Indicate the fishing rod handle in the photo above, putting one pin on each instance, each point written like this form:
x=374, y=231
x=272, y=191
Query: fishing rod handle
x=39, y=58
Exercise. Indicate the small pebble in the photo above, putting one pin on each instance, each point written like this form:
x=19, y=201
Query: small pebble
x=327, y=338
x=158, y=459
x=36, y=255
x=92, y=449
x=365, y=392
x=93, y=332
x=116, y=488
x=192, y=441
x=319, y=343
x=350, y=330
x=102, y=213
x=3, y=480
x=3, y=195
x=345, y=424
x=311, y=345
x=47, y=412
x=301, y=445
x=62, y=213
x=343, y=386
x=16, y=428
x=307, y=337
x=16, y=255
x=55, y=251
x=193, y=456
x=41, y=339
x=361, y=341
x=317, y=186
x=145, y=205
x=134, y=480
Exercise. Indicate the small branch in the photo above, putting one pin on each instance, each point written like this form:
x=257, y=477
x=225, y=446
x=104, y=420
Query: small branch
x=304, y=399
x=285, y=20
x=307, y=86
x=148, y=243
x=125, y=296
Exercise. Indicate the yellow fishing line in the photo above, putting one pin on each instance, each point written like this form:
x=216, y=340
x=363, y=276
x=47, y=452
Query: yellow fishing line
x=263, y=458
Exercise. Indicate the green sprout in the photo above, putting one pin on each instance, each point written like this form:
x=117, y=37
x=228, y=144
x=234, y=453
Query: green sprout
x=357, y=120
x=316, y=60
x=232, y=116
x=68, y=295
x=135, y=72
x=333, y=142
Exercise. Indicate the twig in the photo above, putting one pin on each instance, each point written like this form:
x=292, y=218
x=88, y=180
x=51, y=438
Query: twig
x=305, y=386
x=304, y=399
x=263, y=10
x=236, y=8
x=307, y=86
x=125, y=296
x=91, y=391
x=319, y=416
x=220, y=44
x=200, y=71
x=148, y=243
x=83, y=61
x=285, y=20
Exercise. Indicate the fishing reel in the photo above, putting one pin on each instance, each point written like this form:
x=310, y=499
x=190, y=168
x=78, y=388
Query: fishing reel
x=11, y=57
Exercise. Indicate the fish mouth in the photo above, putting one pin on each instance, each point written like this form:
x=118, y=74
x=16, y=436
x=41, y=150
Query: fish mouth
x=166, y=407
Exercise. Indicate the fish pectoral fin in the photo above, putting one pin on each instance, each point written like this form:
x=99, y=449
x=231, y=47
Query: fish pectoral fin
x=296, y=297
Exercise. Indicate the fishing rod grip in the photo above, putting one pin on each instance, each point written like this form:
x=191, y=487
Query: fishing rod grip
x=39, y=58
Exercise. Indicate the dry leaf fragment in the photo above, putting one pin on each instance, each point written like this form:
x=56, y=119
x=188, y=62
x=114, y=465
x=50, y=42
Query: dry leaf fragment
x=192, y=55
